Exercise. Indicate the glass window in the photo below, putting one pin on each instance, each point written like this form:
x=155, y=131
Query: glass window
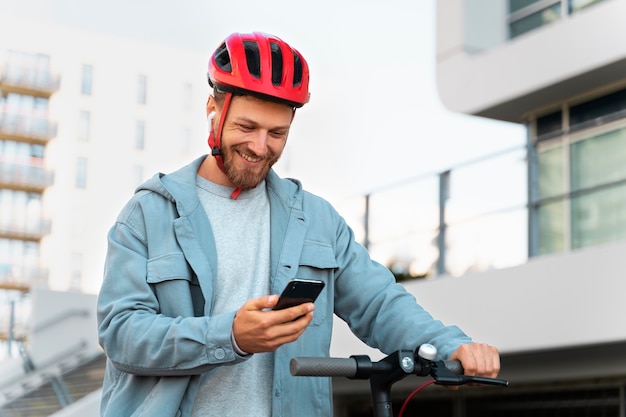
x=535, y=20
x=598, y=160
x=608, y=107
x=581, y=182
x=599, y=217
x=551, y=175
x=578, y=5
x=86, y=80
x=84, y=125
x=552, y=227
x=140, y=134
x=526, y=15
x=81, y=172
x=515, y=5
x=550, y=123
x=142, y=85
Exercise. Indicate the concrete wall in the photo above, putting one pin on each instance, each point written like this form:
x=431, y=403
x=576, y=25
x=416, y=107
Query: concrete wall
x=561, y=301
x=480, y=73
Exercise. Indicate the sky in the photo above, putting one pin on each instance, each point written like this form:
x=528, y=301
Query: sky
x=374, y=117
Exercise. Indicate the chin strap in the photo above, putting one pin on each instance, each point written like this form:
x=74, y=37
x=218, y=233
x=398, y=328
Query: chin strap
x=215, y=139
x=215, y=136
x=235, y=194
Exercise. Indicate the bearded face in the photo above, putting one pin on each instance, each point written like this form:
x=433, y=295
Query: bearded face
x=252, y=138
x=244, y=168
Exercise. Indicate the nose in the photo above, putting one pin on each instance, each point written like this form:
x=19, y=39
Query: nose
x=258, y=144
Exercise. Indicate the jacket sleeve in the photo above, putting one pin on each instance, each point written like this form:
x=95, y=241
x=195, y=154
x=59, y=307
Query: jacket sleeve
x=380, y=311
x=147, y=321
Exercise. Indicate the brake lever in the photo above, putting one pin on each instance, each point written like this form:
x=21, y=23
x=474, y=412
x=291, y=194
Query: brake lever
x=444, y=376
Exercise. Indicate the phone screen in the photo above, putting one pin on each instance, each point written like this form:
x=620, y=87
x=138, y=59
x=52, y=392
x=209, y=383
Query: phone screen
x=299, y=291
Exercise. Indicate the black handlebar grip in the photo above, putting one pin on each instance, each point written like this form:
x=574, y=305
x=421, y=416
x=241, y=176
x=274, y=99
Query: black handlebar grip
x=316, y=366
x=454, y=366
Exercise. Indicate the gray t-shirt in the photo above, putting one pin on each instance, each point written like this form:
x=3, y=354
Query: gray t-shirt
x=241, y=229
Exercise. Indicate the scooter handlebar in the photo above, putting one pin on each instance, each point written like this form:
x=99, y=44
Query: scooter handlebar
x=320, y=366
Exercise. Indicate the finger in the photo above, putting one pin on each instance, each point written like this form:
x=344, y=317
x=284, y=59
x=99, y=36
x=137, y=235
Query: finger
x=292, y=313
x=289, y=331
x=487, y=360
x=495, y=361
x=262, y=303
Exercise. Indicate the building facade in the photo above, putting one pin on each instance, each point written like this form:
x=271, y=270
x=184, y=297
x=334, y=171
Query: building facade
x=558, y=67
x=80, y=128
x=26, y=86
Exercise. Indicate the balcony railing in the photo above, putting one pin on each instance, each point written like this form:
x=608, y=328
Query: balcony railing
x=21, y=277
x=30, y=81
x=25, y=177
x=25, y=229
x=471, y=217
x=25, y=128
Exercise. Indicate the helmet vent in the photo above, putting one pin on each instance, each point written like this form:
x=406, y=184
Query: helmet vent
x=222, y=58
x=297, y=70
x=277, y=64
x=253, y=59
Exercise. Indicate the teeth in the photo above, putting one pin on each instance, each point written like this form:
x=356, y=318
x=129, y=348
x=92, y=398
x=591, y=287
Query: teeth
x=249, y=158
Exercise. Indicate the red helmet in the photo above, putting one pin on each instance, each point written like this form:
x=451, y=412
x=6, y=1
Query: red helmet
x=261, y=65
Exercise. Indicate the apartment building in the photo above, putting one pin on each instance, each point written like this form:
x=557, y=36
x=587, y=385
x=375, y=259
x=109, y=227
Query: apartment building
x=84, y=118
x=26, y=85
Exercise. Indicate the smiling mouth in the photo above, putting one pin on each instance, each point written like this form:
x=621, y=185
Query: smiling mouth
x=249, y=158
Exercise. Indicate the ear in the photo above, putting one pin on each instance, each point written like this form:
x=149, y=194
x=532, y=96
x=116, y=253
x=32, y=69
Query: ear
x=211, y=106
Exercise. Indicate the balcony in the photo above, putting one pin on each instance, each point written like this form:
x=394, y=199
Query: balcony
x=31, y=231
x=23, y=177
x=20, y=277
x=25, y=128
x=29, y=81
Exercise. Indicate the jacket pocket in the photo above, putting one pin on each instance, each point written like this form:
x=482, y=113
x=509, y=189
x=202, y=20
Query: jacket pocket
x=167, y=267
x=318, y=262
x=175, y=285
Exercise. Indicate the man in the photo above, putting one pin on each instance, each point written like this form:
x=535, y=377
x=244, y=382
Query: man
x=196, y=258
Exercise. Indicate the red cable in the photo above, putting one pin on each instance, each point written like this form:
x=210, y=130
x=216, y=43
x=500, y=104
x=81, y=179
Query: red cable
x=411, y=395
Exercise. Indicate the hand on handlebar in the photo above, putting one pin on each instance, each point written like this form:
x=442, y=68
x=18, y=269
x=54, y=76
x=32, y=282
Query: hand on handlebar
x=483, y=360
x=257, y=330
x=478, y=359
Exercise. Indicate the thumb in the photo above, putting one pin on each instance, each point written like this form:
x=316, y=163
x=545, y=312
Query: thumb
x=267, y=301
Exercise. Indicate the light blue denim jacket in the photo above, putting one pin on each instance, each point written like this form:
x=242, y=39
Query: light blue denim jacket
x=154, y=308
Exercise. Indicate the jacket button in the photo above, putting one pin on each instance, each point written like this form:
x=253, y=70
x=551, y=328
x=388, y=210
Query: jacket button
x=219, y=353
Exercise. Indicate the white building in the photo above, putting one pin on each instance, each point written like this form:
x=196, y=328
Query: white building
x=84, y=118
x=559, y=68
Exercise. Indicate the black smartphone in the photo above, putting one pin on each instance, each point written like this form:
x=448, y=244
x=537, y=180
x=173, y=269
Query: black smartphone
x=298, y=291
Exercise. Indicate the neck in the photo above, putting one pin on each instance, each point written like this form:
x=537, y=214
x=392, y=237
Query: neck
x=210, y=171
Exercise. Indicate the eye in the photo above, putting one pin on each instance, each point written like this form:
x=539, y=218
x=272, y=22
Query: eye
x=244, y=127
x=278, y=134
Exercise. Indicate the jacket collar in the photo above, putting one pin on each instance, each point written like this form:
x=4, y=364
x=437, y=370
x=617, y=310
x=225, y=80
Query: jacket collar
x=180, y=187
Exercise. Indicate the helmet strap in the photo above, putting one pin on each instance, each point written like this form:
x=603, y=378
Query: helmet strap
x=215, y=139
x=215, y=136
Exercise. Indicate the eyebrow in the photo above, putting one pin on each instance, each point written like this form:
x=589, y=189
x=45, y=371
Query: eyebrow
x=244, y=119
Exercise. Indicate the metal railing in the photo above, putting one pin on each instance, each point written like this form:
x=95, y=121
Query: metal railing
x=22, y=176
x=470, y=217
x=27, y=128
x=31, y=79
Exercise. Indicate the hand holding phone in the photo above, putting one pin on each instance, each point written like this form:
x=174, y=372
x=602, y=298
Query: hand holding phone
x=299, y=291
